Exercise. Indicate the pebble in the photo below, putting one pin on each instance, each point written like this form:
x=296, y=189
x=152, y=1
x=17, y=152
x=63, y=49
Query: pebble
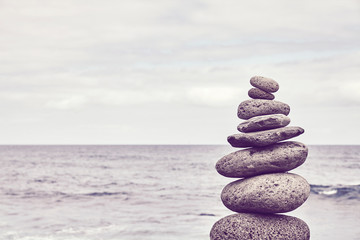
x=257, y=93
x=264, y=122
x=265, y=84
x=256, y=107
x=264, y=138
x=279, y=157
x=243, y=226
x=267, y=193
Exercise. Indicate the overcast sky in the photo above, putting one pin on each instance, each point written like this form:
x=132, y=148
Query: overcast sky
x=174, y=72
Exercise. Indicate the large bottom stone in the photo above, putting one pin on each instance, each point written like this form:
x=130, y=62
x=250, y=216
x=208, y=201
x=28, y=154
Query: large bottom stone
x=244, y=226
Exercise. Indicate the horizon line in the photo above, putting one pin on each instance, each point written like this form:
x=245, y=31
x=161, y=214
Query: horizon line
x=151, y=144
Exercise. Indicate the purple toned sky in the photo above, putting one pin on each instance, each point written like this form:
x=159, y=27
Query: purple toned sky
x=174, y=72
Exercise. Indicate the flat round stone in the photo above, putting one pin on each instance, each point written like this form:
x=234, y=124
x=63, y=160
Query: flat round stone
x=279, y=157
x=265, y=122
x=243, y=226
x=265, y=84
x=257, y=107
x=264, y=138
x=257, y=93
x=267, y=193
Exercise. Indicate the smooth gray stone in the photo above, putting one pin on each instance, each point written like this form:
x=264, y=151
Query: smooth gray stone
x=265, y=122
x=264, y=138
x=266, y=193
x=245, y=226
x=265, y=84
x=256, y=107
x=279, y=157
x=257, y=93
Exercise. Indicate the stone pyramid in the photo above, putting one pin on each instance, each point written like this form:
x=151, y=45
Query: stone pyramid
x=264, y=188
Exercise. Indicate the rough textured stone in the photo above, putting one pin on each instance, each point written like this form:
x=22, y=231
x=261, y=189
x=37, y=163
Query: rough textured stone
x=264, y=122
x=256, y=107
x=245, y=226
x=257, y=93
x=264, y=138
x=267, y=193
x=279, y=157
x=265, y=84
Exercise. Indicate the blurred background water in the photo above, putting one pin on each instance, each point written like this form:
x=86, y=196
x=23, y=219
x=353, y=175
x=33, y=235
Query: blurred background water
x=129, y=192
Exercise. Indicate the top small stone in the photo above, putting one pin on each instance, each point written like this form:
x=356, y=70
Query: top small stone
x=265, y=84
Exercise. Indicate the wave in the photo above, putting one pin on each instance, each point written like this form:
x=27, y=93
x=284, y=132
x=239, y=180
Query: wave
x=63, y=195
x=337, y=191
x=101, y=194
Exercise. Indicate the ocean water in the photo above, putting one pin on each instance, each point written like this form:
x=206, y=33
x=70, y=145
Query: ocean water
x=154, y=192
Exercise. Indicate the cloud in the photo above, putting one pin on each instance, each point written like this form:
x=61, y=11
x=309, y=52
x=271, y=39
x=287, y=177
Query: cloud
x=213, y=96
x=67, y=103
x=93, y=56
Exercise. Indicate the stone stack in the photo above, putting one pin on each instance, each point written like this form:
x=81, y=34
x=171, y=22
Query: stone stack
x=265, y=187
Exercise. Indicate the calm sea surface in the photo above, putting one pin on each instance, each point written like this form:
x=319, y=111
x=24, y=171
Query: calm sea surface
x=154, y=192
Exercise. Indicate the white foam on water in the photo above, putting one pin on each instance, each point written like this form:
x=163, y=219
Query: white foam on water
x=329, y=192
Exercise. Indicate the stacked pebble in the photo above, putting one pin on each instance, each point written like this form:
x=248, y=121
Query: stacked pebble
x=265, y=188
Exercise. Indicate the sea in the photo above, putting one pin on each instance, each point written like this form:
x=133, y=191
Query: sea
x=148, y=192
